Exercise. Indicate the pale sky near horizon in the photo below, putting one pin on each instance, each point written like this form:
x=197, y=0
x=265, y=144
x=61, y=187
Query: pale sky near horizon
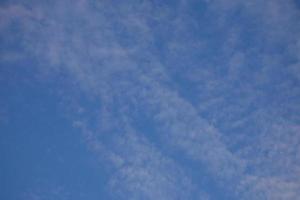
x=150, y=100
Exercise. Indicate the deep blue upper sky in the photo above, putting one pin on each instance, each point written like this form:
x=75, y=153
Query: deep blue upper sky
x=187, y=100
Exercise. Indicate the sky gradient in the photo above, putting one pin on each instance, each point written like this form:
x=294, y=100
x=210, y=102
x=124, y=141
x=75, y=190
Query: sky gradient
x=150, y=100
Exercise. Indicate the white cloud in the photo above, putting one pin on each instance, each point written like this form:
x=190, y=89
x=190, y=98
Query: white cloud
x=110, y=51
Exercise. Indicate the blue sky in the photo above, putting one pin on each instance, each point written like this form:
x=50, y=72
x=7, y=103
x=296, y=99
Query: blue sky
x=187, y=100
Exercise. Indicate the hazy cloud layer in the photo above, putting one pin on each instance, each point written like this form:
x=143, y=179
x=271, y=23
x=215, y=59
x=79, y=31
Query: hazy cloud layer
x=194, y=96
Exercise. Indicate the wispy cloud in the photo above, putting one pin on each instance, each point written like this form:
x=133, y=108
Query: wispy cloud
x=219, y=85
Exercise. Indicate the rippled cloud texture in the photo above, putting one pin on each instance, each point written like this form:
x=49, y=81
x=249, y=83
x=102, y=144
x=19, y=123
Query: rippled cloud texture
x=177, y=99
